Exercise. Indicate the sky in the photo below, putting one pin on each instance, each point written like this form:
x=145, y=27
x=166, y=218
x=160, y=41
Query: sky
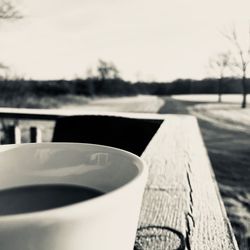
x=148, y=40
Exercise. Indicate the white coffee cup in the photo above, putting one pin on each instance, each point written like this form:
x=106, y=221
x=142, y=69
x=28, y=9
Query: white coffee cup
x=107, y=222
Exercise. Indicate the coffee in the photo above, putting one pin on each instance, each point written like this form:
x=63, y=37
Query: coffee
x=26, y=199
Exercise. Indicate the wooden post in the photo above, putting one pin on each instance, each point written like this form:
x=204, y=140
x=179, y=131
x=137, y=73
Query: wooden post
x=35, y=135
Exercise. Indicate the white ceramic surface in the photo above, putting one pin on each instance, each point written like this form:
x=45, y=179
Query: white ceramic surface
x=107, y=222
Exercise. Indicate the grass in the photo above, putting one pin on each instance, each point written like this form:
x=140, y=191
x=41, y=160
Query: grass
x=47, y=102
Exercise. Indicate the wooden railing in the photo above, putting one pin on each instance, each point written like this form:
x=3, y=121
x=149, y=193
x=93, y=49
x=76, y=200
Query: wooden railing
x=182, y=207
x=12, y=132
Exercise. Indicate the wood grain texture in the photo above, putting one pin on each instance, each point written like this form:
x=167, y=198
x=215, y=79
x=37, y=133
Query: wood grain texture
x=182, y=208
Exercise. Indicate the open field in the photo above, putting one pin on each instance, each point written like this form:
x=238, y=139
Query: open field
x=140, y=103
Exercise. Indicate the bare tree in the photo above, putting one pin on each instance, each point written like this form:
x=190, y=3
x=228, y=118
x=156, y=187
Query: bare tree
x=107, y=70
x=219, y=65
x=242, y=58
x=8, y=11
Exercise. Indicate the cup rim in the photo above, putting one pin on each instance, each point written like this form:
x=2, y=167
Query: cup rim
x=87, y=205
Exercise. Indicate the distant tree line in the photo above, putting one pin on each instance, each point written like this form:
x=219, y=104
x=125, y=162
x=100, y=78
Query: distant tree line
x=117, y=87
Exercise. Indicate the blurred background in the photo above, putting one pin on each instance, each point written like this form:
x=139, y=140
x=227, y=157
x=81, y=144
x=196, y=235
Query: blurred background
x=162, y=56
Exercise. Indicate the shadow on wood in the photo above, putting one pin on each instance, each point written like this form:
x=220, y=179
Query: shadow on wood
x=130, y=134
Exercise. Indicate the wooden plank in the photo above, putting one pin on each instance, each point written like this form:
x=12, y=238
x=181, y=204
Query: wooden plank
x=30, y=114
x=213, y=229
x=182, y=208
x=53, y=114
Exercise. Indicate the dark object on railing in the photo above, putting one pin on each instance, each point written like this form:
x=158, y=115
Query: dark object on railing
x=130, y=134
x=12, y=135
x=35, y=134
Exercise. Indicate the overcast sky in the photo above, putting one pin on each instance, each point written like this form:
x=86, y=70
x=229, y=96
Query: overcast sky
x=146, y=39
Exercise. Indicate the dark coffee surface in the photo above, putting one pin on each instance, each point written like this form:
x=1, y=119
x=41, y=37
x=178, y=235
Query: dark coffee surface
x=35, y=198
